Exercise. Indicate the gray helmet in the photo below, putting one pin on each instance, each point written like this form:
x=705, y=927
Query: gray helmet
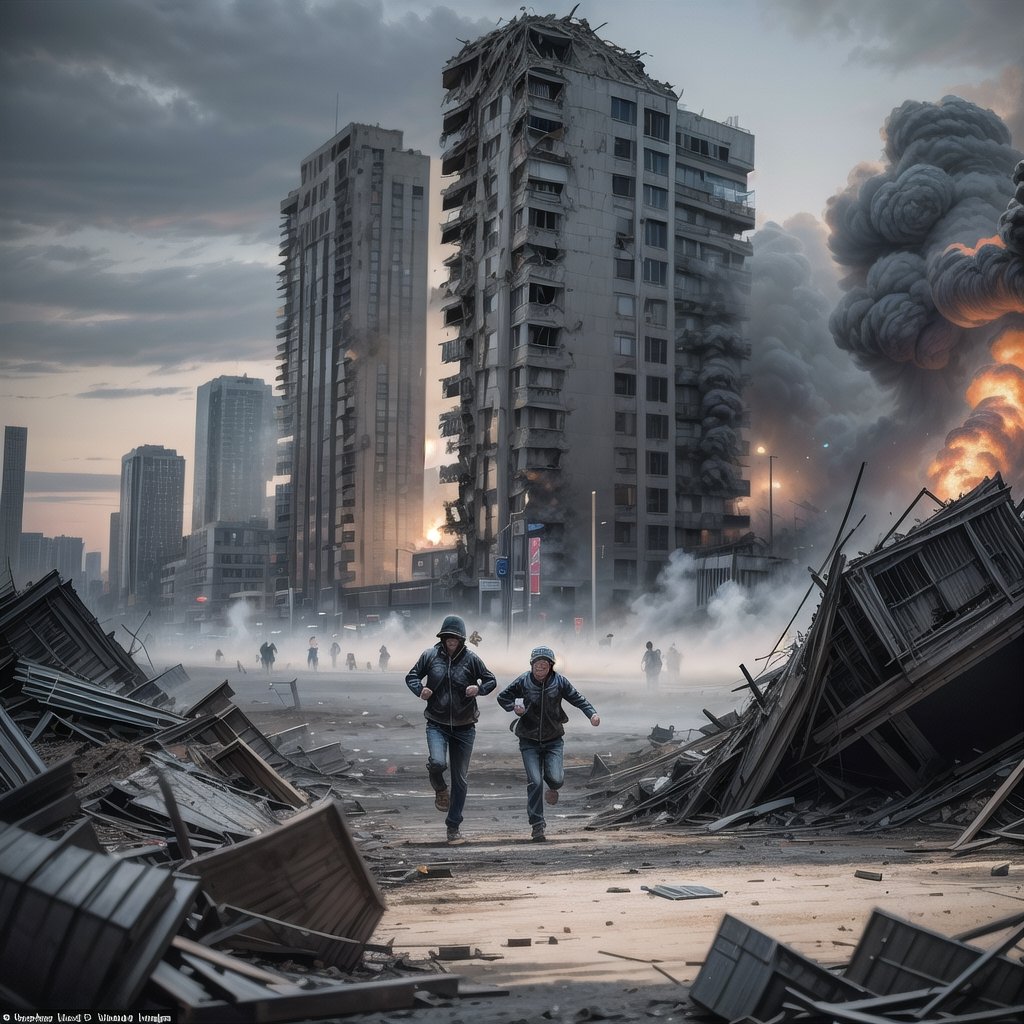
x=452, y=626
x=542, y=652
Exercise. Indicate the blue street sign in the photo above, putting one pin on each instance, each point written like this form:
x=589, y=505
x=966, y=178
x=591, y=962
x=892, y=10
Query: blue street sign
x=501, y=567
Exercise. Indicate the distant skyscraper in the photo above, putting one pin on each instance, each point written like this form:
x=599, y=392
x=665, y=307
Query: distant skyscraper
x=598, y=303
x=12, y=496
x=352, y=353
x=152, y=500
x=114, y=560
x=234, y=450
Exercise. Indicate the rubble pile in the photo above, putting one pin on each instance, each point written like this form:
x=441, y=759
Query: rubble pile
x=172, y=861
x=904, y=702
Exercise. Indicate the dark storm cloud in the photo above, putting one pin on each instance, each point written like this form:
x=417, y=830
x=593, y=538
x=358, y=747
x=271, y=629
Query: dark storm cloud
x=193, y=115
x=170, y=129
x=944, y=181
x=74, y=307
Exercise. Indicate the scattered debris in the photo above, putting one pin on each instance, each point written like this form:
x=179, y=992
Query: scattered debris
x=681, y=892
x=886, y=712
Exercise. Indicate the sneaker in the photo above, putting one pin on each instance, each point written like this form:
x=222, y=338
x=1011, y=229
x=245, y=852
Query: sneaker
x=538, y=834
x=551, y=796
x=455, y=837
x=441, y=799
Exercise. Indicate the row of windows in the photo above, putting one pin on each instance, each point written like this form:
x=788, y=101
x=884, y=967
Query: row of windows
x=655, y=349
x=656, y=124
x=656, y=425
x=657, y=387
x=657, y=462
x=656, y=498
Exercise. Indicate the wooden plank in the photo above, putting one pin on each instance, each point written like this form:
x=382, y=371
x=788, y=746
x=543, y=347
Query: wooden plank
x=991, y=806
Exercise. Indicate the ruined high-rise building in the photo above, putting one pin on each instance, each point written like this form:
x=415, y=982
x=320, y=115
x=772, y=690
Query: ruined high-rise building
x=352, y=353
x=597, y=304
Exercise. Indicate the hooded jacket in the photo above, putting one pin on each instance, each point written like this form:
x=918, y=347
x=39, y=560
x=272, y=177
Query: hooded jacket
x=544, y=720
x=448, y=678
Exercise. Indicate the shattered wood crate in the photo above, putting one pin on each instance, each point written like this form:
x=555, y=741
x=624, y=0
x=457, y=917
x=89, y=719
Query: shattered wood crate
x=746, y=974
x=896, y=956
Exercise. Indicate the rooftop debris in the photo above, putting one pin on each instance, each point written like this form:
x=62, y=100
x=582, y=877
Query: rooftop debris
x=903, y=700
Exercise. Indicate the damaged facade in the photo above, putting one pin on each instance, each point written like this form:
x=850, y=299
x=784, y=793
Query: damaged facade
x=597, y=304
x=351, y=352
x=904, y=695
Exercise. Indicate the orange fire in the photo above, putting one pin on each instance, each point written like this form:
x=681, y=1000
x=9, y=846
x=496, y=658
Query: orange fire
x=992, y=437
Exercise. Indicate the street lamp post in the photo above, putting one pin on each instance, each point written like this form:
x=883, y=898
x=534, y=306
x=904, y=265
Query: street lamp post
x=593, y=564
x=771, y=486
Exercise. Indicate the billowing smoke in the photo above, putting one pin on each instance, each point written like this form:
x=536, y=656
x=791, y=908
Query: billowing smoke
x=944, y=181
x=976, y=288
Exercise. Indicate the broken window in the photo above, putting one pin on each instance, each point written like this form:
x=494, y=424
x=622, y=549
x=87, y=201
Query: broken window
x=544, y=294
x=543, y=88
x=934, y=585
x=625, y=423
x=625, y=305
x=624, y=149
x=543, y=335
x=543, y=125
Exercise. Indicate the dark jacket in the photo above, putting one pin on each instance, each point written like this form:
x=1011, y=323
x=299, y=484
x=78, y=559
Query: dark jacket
x=544, y=719
x=448, y=705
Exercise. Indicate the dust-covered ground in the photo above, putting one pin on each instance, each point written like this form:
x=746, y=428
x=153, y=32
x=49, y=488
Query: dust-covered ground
x=567, y=929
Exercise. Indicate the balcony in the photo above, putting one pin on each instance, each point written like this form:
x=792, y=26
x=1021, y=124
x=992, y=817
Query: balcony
x=539, y=437
x=542, y=397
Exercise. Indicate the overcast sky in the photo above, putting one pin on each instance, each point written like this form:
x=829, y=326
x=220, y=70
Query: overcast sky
x=147, y=146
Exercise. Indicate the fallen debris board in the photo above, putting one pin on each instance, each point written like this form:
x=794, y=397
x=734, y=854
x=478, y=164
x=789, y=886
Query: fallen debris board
x=681, y=892
x=896, y=956
x=306, y=872
x=746, y=974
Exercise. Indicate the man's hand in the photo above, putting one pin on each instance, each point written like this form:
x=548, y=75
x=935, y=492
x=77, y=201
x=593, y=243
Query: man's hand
x=426, y=693
x=520, y=710
x=472, y=690
x=595, y=720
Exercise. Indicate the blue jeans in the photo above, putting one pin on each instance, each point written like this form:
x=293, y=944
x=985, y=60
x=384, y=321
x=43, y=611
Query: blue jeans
x=454, y=746
x=543, y=763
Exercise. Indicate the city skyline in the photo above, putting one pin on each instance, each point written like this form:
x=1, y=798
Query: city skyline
x=144, y=179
